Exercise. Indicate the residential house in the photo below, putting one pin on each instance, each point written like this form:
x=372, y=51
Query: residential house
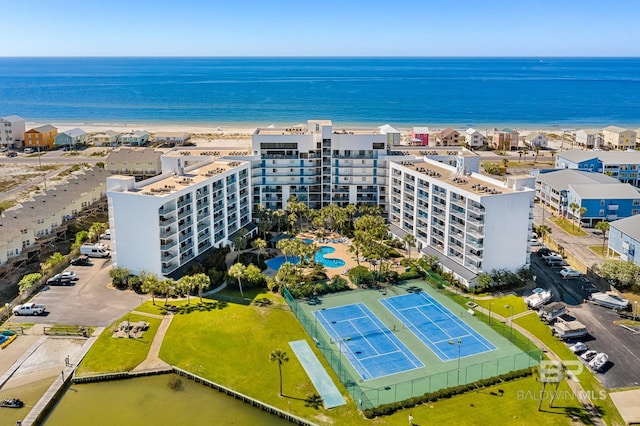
x=139, y=162
x=624, y=239
x=176, y=138
x=108, y=138
x=136, y=137
x=393, y=134
x=505, y=139
x=12, y=131
x=448, y=137
x=619, y=138
x=589, y=138
x=42, y=137
x=474, y=138
x=71, y=138
x=536, y=140
x=420, y=136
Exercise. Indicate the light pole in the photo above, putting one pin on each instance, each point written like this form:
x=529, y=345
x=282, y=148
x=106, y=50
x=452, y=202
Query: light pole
x=490, y=305
x=511, y=331
x=459, y=343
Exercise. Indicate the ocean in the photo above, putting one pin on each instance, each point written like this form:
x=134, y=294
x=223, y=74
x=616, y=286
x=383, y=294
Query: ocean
x=482, y=92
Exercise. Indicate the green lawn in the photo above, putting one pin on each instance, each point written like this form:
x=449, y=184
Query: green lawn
x=499, y=305
x=112, y=354
x=569, y=227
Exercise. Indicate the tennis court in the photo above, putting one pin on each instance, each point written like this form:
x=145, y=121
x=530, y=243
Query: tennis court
x=372, y=349
x=444, y=333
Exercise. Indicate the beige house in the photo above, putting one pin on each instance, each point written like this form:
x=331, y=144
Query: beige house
x=619, y=137
x=536, y=140
x=474, y=138
x=139, y=162
x=177, y=138
x=589, y=138
x=505, y=139
x=25, y=227
x=447, y=137
x=108, y=138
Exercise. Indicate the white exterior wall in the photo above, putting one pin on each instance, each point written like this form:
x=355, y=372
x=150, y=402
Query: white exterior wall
x=621, y=140
x=138, y=229
x=12, y=132
x=417, y=200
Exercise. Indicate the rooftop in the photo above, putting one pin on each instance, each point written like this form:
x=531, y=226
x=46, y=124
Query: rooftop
x=170, y=183
x=629, y=226
x=563, y=178
x=621, y=191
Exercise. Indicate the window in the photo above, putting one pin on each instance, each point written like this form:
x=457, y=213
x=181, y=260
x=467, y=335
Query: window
x=635, y=212
x=601, y=213
x=602, y=202
x=636, y=202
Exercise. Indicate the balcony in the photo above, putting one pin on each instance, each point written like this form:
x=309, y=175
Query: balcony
x=168, y=244
x=168, y=231
x=169, y=267
x=184, y=202
x=613, y=207
x=166, y=219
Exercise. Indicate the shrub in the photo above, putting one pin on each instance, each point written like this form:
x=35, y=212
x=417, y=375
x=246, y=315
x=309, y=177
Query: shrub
x=411, y=274
x=361, y=275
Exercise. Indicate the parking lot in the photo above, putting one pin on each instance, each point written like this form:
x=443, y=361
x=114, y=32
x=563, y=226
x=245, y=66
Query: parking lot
x=89, y=301
x=622, y=346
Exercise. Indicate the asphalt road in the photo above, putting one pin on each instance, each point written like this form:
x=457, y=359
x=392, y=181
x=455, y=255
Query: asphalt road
x=89, y=302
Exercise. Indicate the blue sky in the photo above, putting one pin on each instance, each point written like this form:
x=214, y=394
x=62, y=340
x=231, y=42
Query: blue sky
x=320, y=28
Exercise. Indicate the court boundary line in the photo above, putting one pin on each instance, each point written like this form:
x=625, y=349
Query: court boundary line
x=373, y=318
x=386, y=302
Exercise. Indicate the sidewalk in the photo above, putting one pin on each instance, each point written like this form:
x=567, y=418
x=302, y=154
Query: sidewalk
x=153, y=361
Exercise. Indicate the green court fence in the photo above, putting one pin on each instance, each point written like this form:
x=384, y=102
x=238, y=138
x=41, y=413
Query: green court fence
x=370, y=397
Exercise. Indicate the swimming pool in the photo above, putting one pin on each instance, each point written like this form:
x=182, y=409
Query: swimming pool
x=327, y=262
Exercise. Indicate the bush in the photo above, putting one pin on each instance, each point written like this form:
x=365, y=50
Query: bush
x=135, y=284
x=360, y=275
x=411, y=274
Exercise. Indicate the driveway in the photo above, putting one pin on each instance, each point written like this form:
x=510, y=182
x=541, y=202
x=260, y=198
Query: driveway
x=89, y=302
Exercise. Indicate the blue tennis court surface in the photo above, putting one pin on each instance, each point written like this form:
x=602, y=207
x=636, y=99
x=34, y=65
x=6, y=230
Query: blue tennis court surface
x=436, y=326
x=373, y=349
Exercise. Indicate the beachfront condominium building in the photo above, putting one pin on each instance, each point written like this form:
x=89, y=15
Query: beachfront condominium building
x=619, y=138
x=319, y=165
x=472, y=223
x=40, y=138
x=623, y=166
x=11, y=131
x=159, y=224
x=624, y=239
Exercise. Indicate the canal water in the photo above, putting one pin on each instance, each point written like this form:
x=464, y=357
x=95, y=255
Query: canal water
x=150, y=401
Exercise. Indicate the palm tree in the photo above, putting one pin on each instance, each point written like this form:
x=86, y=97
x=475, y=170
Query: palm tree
x=169, y=287
x=150, y=284
x=259, y=244
x=237, y=271
x=604, y=228
x=581, y=213
x=201, y=282
x=574, y=207
x=409, y=241
x=505, y=163
x=280, y=357
x=240, y=241
x=186, y=284
x=543, y=231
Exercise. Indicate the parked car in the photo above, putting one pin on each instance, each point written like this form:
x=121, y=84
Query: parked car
x=106, y=235
x=556, y=262
x=570, y=273
x=12, y=154
x=81, y=261
x=29, y=309
x=551, y=254
x=589, y=355
x=71, y=275
x=4, y=149
x=535, y=242
x=28, y=150
x=544, y=251
x=578, y=348
x=59, y=280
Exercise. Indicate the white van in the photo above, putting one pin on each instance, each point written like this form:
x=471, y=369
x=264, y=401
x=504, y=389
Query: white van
x=95, y=250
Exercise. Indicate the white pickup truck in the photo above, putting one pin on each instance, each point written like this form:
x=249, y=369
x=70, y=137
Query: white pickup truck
x=29, y=309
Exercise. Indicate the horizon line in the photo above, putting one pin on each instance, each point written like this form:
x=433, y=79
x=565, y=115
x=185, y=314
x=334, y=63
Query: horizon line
x=323, y=56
